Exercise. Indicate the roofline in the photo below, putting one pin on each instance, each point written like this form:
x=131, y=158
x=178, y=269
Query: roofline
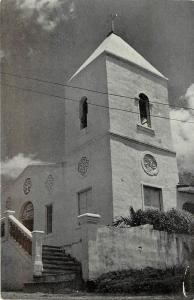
x=106, y=52
x=124, y=137
x=140, y=67
x=78, y=72
x=184, y=185
x=186, y=188
x=57, y=164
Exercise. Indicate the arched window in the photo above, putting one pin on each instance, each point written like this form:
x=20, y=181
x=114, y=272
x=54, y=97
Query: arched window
x=27, y=215
x=83, y=113
x=144, y=110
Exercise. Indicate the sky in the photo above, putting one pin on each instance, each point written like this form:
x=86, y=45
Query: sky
x=49, y=39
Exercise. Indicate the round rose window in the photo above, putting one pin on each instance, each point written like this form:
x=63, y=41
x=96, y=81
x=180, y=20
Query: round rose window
x=149, y=164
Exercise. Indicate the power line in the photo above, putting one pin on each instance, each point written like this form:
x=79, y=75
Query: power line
x=88, y=90
x=92, y=104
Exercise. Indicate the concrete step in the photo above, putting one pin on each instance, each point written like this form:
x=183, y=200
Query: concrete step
x=61, y=272
x=58, y=257
x=57, y=252
x=51, y=247
x=51, y=252
x=52, y=268
x=47, y=277
x=60, y=262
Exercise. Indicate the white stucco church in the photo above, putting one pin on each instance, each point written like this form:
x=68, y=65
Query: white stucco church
x=118, y=150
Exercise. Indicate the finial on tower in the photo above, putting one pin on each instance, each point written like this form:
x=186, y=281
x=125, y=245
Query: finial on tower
x=113, y=16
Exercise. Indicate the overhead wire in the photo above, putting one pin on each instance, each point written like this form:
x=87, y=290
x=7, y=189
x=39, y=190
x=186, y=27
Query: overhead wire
x=88, y=90
x=89, y=103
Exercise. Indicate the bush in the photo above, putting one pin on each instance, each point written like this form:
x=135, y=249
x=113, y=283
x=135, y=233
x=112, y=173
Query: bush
x=137, y=281
x=172, y=221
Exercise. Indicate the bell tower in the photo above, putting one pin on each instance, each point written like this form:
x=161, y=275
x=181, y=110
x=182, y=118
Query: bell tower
x=118, y=122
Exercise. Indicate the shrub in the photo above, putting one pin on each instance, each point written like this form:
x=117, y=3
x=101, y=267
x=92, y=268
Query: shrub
x=172, y=221
x=148, y=280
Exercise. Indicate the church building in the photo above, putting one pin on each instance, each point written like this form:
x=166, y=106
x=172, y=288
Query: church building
x=118, y=151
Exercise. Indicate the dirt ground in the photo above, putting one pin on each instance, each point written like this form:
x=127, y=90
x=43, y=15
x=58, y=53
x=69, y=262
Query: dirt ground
x=83, y=296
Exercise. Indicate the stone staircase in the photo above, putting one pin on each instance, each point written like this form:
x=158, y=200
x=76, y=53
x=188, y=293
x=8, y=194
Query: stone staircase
x=61, y=273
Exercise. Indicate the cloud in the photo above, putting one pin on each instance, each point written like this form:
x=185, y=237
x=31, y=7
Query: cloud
x=48, y=13
x=183, y=132
x=12, y=167
x=189, y=96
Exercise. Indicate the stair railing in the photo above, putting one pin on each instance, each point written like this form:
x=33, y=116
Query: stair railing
x=29, y=241
x=20, y=234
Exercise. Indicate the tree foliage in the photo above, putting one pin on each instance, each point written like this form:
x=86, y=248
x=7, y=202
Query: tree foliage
x=148, y=280
x=171, y=221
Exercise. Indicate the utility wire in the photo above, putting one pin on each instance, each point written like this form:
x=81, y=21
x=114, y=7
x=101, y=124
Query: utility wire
x=89, y=90
x=92, y=104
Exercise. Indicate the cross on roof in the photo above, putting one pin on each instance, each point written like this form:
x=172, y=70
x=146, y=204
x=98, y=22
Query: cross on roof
x=113, y=16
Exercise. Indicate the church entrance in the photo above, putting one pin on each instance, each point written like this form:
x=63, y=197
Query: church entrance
x=189, y=207
x=27, y=215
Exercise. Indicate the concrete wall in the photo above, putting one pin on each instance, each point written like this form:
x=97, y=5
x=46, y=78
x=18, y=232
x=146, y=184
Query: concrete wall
x=135, y=248
x=130, y=141
x=40, y=196
x=98, y=178
x=92, y=78
x=16, y=266
x=128, y=175
x=183, y=198
x=129, y=81
x=91, y=142
x=68, y=182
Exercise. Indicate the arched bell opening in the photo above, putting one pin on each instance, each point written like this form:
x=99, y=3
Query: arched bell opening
x=27, y=215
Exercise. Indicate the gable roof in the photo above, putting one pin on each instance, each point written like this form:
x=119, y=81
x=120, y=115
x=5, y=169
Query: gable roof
x=116, y=46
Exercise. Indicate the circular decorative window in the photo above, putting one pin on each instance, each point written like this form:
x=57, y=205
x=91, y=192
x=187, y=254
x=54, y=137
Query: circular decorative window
x=49, y=183
x=83, y=165
x=149, y=164
x=27, y=186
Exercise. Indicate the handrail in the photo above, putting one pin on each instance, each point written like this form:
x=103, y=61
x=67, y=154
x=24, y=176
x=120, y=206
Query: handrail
x=21, y=226
x=20, y=234
x=31, y=242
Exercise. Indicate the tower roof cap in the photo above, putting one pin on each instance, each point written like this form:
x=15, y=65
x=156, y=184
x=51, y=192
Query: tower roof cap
x=116, y=46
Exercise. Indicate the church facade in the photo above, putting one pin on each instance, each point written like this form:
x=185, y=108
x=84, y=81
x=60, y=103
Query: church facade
x=118, y=150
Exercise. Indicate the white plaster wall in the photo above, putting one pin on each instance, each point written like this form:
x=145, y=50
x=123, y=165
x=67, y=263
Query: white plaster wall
x=40, y=197
x=92, y=78
x=136, y=248
x=98, y=177
x=183, y=198
x=129, y=142
x=16, y=266
x=92, y=142
x=128, y=80
x=128, y=175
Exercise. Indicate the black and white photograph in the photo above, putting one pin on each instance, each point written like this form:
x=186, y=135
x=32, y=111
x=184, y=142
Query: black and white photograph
x=97, y=149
